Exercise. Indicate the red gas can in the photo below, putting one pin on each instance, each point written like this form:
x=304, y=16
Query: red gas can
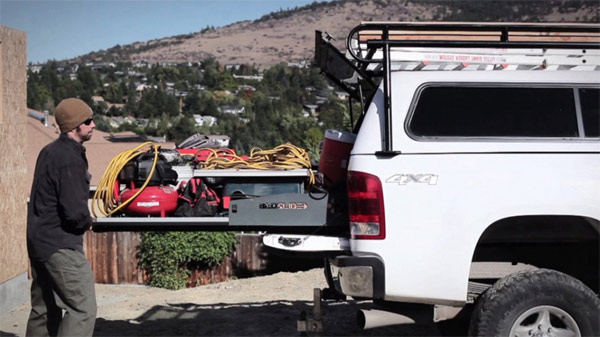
x=153, y=201
x=335, y=154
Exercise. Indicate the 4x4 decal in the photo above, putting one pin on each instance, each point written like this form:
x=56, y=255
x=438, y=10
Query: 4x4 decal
x=403, y=179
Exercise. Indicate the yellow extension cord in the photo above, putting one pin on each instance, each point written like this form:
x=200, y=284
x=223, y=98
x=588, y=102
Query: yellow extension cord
x=105, y=190
x=283, y=157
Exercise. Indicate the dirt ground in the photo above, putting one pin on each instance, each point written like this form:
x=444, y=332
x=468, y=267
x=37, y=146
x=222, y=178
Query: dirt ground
x=258, y=306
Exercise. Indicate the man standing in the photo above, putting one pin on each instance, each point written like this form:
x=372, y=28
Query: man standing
x=57, y=218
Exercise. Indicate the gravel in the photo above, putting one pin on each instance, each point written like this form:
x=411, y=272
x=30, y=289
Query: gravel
x=258, y=306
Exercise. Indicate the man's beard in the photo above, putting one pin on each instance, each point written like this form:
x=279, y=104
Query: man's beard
x=84, y=137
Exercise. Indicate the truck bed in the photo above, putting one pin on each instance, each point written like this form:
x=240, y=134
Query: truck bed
x=298, y=212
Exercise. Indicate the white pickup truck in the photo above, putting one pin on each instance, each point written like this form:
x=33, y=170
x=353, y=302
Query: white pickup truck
x=475, y=172
x=469, y=185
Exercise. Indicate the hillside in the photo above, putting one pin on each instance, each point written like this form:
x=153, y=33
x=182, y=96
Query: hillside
x=288, y=35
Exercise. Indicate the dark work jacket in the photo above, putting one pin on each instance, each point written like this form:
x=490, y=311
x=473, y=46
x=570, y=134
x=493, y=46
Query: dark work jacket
x=58, y=213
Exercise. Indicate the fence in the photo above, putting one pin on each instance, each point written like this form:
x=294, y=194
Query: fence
x=113, y=257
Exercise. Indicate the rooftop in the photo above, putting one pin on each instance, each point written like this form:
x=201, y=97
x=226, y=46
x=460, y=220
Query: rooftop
x=100, y=151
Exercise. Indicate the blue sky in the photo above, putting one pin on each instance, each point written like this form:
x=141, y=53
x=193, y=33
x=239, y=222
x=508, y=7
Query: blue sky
x=58, y=29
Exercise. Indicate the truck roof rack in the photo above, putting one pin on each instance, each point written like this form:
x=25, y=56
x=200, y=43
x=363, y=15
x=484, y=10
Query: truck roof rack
x=375, y=49
x=475, y=46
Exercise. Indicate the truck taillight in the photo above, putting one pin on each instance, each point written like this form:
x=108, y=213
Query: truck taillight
x=367, y=217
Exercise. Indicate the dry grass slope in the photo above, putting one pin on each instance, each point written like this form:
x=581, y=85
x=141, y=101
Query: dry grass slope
x=290, y=38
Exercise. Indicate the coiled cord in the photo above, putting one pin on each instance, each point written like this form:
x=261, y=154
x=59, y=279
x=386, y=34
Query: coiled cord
x=283, y=157
x=105, y=197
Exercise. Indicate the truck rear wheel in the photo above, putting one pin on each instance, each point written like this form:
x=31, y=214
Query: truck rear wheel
x=537, y=303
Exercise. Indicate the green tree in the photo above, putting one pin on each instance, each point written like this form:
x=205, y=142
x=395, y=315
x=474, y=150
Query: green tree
x=38, y=96
x=102, y=124
x=114, y=112
x=89, y=80
x=211, y=73
x=192, y=103
x=114, y=93
x=130, y=127
x=208, y=105
x=163, y=125
x=49, y=79
x=182, y=128
x=131, y=107
x=226, y=81
x=334, y=115
x=100, y=108
x=313, y=137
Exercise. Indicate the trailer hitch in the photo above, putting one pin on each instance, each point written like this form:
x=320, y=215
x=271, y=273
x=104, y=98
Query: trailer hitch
x=314, y=325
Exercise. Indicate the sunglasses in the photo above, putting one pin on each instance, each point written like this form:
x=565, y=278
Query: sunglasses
x=88, y=121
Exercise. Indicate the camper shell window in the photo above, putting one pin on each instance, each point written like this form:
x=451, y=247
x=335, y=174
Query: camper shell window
x=522, y=112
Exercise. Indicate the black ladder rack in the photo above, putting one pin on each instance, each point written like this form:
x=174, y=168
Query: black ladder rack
x=373, y=43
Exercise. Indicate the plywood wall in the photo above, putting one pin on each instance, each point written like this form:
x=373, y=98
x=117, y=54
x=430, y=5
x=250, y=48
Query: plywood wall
x=13, y=145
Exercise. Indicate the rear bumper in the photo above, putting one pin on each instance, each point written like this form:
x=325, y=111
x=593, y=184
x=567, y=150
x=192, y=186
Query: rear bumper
x=361, y=277
x=307, y=243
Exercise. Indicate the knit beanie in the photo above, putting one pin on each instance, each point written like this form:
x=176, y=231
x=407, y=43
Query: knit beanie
x=70, y=113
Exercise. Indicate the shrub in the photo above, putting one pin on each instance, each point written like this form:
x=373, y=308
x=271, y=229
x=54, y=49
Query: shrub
x=167, y=256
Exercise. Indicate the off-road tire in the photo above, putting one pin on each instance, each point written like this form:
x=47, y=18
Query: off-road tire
x=498, y=309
